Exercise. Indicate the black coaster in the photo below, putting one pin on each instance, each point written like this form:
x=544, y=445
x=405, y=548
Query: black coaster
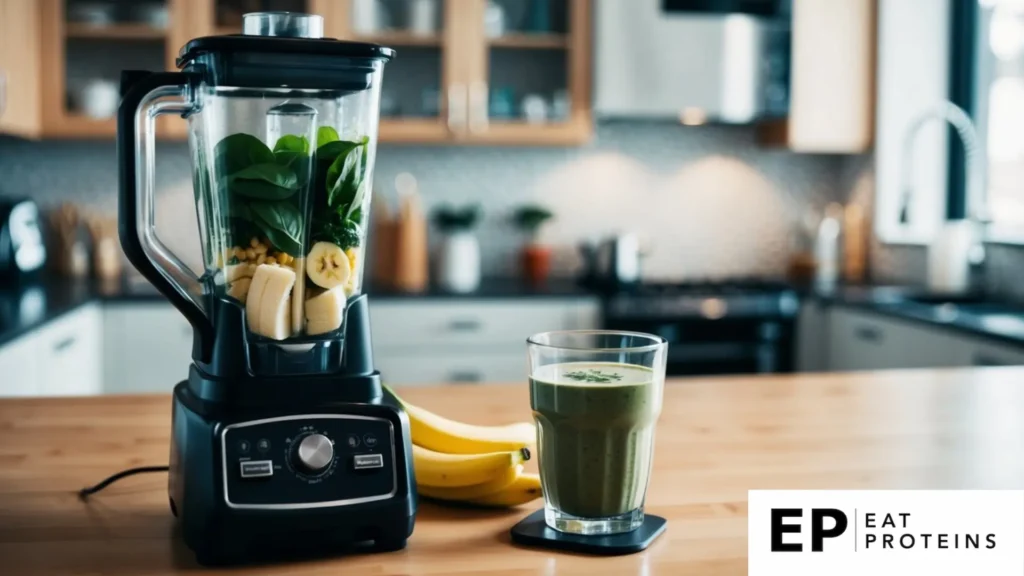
x=532, y=531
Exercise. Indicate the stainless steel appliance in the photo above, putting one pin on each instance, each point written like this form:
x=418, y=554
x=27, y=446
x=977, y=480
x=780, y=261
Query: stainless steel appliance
x=729, y=327
x=22, y=248
x=284, y=443
x=697, y=61
x=611, y=262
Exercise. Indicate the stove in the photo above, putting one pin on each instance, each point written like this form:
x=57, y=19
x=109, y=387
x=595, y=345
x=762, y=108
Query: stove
x=736, y=326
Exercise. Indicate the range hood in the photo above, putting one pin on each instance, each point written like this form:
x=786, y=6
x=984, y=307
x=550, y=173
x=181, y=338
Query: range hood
x=693, y=61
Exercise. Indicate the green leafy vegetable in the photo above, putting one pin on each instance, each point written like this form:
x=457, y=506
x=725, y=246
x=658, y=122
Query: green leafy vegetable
x=258, y=189
x=344, y=177
x=239, y=151
x=282, y=224
x=325, y=135
x=592, y=375
x=280, y=176
x=292, y=143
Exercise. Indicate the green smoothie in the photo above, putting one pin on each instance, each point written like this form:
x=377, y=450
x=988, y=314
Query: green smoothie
x=595, y=435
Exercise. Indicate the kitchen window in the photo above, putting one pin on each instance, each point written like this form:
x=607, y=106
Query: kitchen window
x=997, y=80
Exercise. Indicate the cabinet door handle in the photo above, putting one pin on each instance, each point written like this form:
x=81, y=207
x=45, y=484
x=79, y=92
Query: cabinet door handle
x=457, y=107
x=464, y=325
x=478, y=117
x=464, y=376
x=868, y=334
x=64, y=344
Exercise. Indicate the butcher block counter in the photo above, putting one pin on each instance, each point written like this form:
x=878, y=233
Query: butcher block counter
x=717, y=439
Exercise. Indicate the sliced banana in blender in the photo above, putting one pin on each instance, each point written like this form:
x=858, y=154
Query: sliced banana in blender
x=327, y=265
x=234, y=272
x=268, y=306
x=298, y=295
x=239, y=289
x=325, y=312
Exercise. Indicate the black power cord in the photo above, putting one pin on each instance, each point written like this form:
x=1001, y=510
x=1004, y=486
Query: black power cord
x=84, y=493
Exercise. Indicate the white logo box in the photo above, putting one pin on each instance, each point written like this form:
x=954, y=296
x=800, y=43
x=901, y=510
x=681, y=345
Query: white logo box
x=983, y=529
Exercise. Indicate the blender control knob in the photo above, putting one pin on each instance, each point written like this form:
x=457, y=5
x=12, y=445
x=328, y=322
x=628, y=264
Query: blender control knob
x=315, y=452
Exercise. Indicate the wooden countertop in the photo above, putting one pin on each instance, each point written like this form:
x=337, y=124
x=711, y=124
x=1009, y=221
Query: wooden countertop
x=717, y=438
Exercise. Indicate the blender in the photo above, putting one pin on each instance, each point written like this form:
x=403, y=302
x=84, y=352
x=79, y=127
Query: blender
x=283, y=442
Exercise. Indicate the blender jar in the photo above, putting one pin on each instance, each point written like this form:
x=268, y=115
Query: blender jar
x=282, y=134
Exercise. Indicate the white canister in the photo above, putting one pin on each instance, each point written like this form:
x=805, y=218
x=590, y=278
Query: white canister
x=458, y=267
x=949, y=258
x=423, y=17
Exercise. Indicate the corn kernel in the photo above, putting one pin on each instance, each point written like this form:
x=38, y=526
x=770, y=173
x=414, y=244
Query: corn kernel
x=250, y=254
x=254, y=242
x=239, y=253
x=270, y=260
x=261, y=259
x=261, y=249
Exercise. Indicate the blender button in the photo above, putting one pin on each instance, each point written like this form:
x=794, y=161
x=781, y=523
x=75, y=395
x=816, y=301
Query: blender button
x=263, y=445
x=370, y=440
x=244, y=446
x=352, y=441
x=367, y=461
x=257, y=468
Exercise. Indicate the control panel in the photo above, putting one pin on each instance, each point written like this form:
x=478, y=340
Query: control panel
x=308, y=461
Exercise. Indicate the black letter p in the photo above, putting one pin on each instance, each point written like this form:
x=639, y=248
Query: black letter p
x=818, y=532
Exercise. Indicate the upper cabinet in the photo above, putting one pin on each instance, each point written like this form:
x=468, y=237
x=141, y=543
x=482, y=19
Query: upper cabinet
x=467, y=71
x=473, y=71
x=832, y=72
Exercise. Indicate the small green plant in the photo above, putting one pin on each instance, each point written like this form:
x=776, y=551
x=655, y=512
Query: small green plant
x=530, y=218
x=451, y=220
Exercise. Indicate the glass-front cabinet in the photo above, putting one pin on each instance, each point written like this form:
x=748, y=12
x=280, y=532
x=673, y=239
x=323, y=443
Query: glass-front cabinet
x=480, y=71
x=467, y=71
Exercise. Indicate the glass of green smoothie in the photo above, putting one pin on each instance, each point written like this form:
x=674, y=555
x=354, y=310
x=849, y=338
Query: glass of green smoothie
x=596, y=396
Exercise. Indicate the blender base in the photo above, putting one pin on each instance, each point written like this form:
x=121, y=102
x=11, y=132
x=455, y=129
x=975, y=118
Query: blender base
x=274, y=508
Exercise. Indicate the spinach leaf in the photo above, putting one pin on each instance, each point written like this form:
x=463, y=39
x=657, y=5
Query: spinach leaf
x=292, y=143
x=281, y=176
x=345, y=233
x=240, y=210
x=239, y=151
x=326, y=134
x=297, y=162
x=257, y=189
x=282, y=224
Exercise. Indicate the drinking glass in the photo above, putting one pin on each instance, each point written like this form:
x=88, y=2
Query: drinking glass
x=596, y=396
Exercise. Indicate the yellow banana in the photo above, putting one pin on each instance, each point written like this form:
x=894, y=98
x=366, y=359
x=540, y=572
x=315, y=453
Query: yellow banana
x=525, y=488
x=496, y=484
x=440, y=434
x=450, y=470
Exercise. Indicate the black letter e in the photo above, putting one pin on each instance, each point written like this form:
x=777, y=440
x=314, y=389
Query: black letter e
x=779, y=528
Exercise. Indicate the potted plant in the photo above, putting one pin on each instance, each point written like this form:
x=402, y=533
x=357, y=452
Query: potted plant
x=536, y=257
x=458, y=266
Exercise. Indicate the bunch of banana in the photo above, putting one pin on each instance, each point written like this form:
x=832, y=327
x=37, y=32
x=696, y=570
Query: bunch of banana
x=481, y=465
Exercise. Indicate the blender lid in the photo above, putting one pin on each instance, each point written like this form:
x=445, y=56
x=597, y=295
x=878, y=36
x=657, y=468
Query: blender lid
x=285, y=33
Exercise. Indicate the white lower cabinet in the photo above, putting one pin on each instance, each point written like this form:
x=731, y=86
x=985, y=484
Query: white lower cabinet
x=19, y=370
x=148, y=347
x=866, y=341
x=62, y=358
x=466, y=341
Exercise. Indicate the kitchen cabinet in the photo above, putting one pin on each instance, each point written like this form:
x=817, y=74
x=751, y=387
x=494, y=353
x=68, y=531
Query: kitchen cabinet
x=479, y=80
x=431, y=341
x=148, y=347
x=861, y=340
x=19, y=368
x=832, y=71
x=812, y=337
x=21, y=112
x=452, y=83
x=61, y=359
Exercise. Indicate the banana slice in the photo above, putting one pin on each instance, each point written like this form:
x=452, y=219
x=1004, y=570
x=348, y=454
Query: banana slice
x=327, y=265
x=351, y=286
x=268, y=305
x=234, y=272
x=298, y=296
x=325, y=312
x=239, y=289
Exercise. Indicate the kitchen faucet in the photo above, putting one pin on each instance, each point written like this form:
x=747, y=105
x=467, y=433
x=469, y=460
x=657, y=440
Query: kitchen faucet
x=974, y=174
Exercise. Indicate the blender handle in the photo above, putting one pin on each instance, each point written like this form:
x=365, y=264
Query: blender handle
x=141, y=92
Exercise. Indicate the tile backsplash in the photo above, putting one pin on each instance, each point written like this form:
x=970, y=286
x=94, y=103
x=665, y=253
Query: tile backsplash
x=706, y=201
